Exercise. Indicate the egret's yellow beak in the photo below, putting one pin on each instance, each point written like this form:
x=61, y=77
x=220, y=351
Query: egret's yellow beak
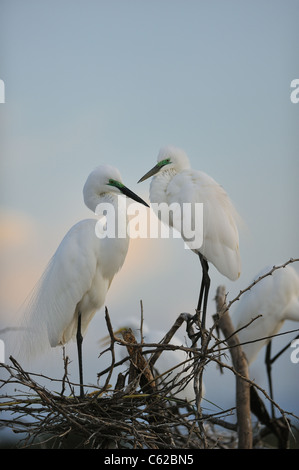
x=106, y=340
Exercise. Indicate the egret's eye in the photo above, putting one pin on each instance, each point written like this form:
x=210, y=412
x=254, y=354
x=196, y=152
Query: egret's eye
x=164, y=162
x=116, y=184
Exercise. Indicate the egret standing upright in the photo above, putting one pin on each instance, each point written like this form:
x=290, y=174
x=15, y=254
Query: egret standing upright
x=175, y=182
x=77, y=279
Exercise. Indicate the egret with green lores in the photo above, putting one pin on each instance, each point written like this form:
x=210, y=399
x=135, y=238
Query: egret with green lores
x=175, y=182
x=76, y=281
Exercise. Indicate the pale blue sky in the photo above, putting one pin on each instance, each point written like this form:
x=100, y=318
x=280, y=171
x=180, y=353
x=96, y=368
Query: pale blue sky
x=90, y=82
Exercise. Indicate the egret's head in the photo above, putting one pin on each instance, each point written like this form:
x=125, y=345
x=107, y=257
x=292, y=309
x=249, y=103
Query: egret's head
x=105, y=179
x=169, y=158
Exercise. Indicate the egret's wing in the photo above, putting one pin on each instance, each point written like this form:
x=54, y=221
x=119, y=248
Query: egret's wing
x=290, y=280
x=68, y=276
x=275, y=298
x=220, y=239
x=252, y=311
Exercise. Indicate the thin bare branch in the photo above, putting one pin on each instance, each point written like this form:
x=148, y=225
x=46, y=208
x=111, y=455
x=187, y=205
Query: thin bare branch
x=241, y=366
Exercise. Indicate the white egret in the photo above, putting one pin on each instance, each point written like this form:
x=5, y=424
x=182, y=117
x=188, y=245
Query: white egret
x=276, y=299
x=75, y=283
x=171, y=364
x=175, y=182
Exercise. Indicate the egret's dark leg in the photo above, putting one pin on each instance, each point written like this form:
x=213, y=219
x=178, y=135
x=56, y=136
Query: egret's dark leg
x=204, y=290
x=268, y=362
x=79, y=346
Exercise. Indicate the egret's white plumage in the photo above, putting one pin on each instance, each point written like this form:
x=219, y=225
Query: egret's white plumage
x=171, y=364
x=175, y=182
x=79, y=274
x=276, y=298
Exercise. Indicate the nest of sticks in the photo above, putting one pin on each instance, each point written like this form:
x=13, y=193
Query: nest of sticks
x=142, y=410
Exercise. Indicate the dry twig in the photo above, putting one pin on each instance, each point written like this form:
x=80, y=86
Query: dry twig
x=130, y=415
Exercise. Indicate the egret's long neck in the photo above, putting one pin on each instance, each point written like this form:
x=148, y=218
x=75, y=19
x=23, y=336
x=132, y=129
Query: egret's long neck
x=159, y=183
x=292, y=312
x=112, y=210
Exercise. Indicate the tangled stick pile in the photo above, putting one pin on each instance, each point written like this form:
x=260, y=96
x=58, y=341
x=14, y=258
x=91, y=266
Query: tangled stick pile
x=141, y=411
